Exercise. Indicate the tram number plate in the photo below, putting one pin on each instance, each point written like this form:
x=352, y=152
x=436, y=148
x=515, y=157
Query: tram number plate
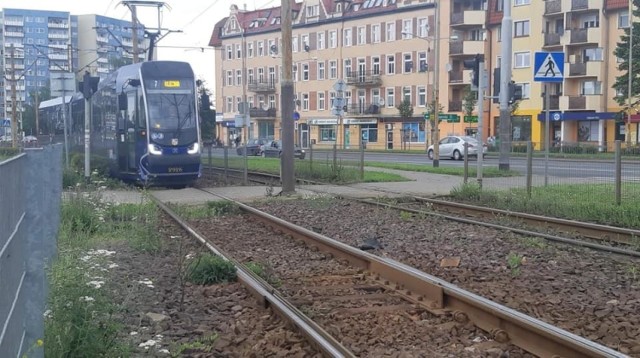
x=172, y=83
x=175, y=169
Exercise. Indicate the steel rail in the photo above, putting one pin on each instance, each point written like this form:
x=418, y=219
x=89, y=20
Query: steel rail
x=504, y=324
x=549, y=237
x=267, y=294
x=591, y=230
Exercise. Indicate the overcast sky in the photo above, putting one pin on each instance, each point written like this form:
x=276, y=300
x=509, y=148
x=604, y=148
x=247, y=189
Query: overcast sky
x=195, y=18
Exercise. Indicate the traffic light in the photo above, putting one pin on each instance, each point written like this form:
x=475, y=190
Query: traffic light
x=89, y=85
x=205, y=104
x=515, y=92
x=475, y=66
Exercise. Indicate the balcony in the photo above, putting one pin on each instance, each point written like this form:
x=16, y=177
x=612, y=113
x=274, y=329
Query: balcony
x=551, y=40
x=460, y=77
x=465, y=48
x=58, y=35
x=554, y=102
x=578, y=103
x=363, y=109
x=363, y=78
x=9, y=22
x=553, y=7
x=262, y=86
x=58, y=25
x=586, y=5
x=13, y=34
x=59, y=56
x=455, y=106
x=585, y=36
x=586, y=69
x=102, y=39
x=262, y=113
x=469, y=18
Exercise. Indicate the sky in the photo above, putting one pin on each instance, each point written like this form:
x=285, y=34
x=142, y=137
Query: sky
x=195, y=18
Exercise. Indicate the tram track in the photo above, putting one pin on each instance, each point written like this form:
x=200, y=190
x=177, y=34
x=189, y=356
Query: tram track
x=423, y=291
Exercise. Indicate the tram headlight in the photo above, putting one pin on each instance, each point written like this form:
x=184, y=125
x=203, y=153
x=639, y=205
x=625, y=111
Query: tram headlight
x=154, y=149
x=194, y=148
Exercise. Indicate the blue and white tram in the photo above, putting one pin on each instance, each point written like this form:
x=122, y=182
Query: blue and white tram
x=151, y=123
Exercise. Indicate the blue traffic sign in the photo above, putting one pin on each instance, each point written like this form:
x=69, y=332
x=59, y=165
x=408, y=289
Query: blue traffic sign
x=548, y=67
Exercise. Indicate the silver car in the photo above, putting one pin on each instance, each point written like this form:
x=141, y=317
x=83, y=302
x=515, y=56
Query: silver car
x=453, y=147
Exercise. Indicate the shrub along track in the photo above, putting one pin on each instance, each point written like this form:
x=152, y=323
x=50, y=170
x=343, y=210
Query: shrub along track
x=339, y=297
x=592, y=294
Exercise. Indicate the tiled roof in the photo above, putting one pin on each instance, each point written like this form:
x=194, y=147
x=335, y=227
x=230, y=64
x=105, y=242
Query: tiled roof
x=216, y=38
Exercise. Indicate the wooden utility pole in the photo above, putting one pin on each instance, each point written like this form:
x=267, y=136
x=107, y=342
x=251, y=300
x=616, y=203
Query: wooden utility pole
x=286, y=102
x=14, y=118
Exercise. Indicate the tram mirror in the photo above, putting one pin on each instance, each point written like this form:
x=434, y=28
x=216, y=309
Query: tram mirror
x=122, y=101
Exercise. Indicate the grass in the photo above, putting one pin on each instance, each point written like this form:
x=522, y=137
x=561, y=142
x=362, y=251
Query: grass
x=594, y=203
x=209, y=269
x=458, y=171
x=209, y=209
x=84, y=314
x=514, y=262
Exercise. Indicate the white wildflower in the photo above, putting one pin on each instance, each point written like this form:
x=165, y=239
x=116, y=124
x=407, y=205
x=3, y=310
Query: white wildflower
x=95, y=284
x=112, y=265
x=163, y=350
x=134, y=333
x=147, y=344
x=87, y=299
x=47, y=314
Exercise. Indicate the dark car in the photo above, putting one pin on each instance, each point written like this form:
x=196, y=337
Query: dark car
x=254, y=147
x=274, y=149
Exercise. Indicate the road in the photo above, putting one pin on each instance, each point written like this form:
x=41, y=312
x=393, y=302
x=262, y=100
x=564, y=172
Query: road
x=563, y=168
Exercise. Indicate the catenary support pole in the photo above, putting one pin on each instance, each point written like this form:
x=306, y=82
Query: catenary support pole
x=505, y=78
x=286, y=102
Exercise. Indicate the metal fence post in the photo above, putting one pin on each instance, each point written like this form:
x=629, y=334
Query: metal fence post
x=362, y=161
x=311, y=157
x=466, y=162
x=618, y=174
x=226, y=165
x=530, y=168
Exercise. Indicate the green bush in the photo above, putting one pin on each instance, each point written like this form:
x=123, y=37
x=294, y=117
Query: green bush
x=79, y=216
x=209, y=269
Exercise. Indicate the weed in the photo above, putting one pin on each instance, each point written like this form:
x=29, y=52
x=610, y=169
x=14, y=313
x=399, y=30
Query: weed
x=634, y=241
x=534, y=242
x=514, y=262
x=220, y=208
x=266, y=273
x=205, y=344
x=209, y=269
x=634, y=272
x=406, y=215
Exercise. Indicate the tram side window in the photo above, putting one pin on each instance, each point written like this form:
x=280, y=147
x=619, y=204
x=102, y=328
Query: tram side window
x=142, y=118
x=131, y=110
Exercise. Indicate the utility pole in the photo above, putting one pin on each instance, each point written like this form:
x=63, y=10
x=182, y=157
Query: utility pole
x=286, y=102
x=505, y=79
x=436, y=91
x=245, y=110
x=481, y=86
x=134, y=32
x=37, y=101
x=14, y=118
x=627, y=131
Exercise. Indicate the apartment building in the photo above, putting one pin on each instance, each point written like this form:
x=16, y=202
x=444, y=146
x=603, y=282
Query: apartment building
x=107, y=44
x=582, y=108
x=384, y=52
x=42, y=44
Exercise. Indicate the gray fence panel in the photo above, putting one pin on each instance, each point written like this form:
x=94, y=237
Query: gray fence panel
x=30, y=198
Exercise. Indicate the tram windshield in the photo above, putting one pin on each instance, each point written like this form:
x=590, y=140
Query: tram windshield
x=171, y=105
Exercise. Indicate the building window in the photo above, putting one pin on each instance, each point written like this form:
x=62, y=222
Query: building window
x=521, y=59
x=422, y=96
x=333, y=69
x=305, y=43
x=413, y=132
x=250, y=76
x=327, y=133
x=369, y=133
x=313, y=10
x=229, y=52
x=321, y=71
x=592, y=54
x=320, y=40
x=250, y=49
x=391, y=97
x=375, y=33
x=375, y=64
x=362, y=35
x=521, y=128
x=375, y=96
x=272, y=101
x=521, y=28
x=333, y=39
x=348, y=36
x=305, y=72
x=623, y=19
x=521, y=2
x=391, y=31
x=260, y=48
x=229, y=78
x=261, y=75
x=422, y=62
x=526, y=90
x=238, y=77
x=347, y=67
x=588, y=131
x=591, y=88
x=229, y=104
x=423, y=27
x=590, y=21
x=407, y=28
x=391, y=64
x=294, y=44
x=406, y=94
x=408, y=63
x=238, y=51
x=321, y=101
x=305, y=102
x=499, y=34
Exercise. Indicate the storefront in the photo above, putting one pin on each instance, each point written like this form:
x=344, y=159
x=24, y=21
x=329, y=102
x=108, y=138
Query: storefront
x=577, y=128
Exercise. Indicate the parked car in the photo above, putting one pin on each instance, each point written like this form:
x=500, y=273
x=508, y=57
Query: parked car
x=274, y=149
x=453, y=147
x=254, y=147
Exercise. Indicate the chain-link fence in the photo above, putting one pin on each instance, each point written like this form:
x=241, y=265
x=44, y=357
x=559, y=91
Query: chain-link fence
x=30, y=194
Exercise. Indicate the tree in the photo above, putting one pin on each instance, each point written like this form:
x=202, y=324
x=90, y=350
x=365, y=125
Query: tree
x=405, y=108
x=29, y=112
x=207, y=115
x=469, y=101
x=622, y=53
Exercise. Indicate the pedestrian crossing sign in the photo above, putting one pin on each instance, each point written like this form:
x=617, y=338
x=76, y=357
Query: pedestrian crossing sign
x=548, y=67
